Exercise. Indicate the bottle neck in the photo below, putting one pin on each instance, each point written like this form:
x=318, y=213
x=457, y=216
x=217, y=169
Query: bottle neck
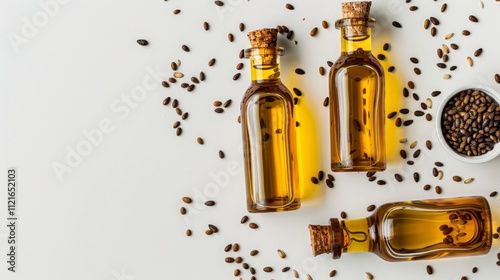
x=357, y=235
x=355, y=35
x=264, y=64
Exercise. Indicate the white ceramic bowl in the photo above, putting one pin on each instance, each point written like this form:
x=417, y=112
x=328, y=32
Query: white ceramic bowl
x=468, y=159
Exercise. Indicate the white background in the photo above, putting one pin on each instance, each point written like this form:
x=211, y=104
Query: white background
x=68, y=66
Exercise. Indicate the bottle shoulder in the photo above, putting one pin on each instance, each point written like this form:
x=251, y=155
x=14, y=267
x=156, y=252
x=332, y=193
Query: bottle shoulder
x=349, y=60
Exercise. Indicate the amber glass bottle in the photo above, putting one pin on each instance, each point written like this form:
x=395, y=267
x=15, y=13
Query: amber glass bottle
x=268, y=123
x=357, y=96
x=411, y=230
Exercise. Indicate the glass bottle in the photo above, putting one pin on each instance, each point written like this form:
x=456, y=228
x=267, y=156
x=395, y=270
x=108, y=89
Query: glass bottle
x=357, y=97
x=411, y=230
x=268, y=123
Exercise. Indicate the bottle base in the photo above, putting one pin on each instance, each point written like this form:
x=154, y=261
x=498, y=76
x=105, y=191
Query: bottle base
x=338, y=167
x=269, y=208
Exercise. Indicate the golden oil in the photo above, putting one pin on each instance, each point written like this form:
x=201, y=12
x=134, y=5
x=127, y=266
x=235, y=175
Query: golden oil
x=269, y=137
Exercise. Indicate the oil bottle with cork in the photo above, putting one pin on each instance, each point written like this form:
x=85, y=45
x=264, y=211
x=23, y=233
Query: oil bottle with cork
x=268, y=124
x=411, y=230
x=357, y=88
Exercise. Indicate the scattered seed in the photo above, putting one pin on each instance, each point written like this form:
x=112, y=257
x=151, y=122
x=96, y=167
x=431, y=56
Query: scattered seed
x=433, y=31
x=313, y=32
x=343, y=215
x=281, y=254
x=391, y=115
x=469, y=61
x=474, y=269
x=202, y=76
x=414, y=60
x=428, y=117
x=413, y=8
x=443, y=7
x=326, y=101
x=497, y=78
x=446, y=76
x=493, y=194
x=478, y=52
x=289, y=6
x=398, y=177
x=299, y=71
x=468, y=180
x=211, y=62
x=465, y=32
x=229, y=260
x=244, y=219
x=228, y=247
x=396, y=24
x=236, y=76
x=142, y=42
x=427, y=23
x=440, y=174
x=381, y=56
x=434, y=20
x=427, y=187
x=370, y=208
x=321, y=70
x=325, y=24
x=369, y=276
x=411, y=85
x=230, y=37
x=253, y=225
x=268, y=269
x=391, y=68
x=429, y=270
x=178, y=131
x=285, y=269
x=185, y=48
x=254, y=252
x=241, y=26
x=381, y=182
x=386, y=47
x=416, y=177
x=473, y=18
x=187, y=200
x=417, y=70
x=398, y=122
x=183, y=211
x=457, y=178
x=219, y=3
x=189, y=232
x=210, y=203
x=221, y=154
x=206, y=26
x=213, y=228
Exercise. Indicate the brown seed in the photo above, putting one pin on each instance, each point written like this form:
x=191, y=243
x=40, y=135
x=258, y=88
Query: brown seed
x=176, y=124
x=208, y=232
x=321, y=70
x=236, y=76
x=443, y=7
x=381, y=56
x=289, y=6
x=403, y=154
x=217, y=103
x=429, y=269
x=398, y=177
x=183, y=211
x=252, y=270
x=218, y=110
x=473, y=18
x=206, y=26
x=313, y=32
x=428, y=117
x=211, y=62
x=416, y=153
x=427, y=187
x=493, y=194
x=428, y=144
x=299, y=71
x=406, y=92
x=213, y=228
x=413, y=8
x=343, y=215
x=229, y=260
x=166, y=101
x=187, y=199
x=178, y=131
x=297, y=91
x=254, y=252
x=281, y=254
x=398, y=122
x=369, y=276
x=457, y=178
x=228, y=247
x=427, y=23
x=416, y=177
x=239, y=66
x=142, y=42
x=326, y=101
x=236, y=247
x=404, y=111
x=417, y=70
x=497, y=78
x=165, y=84
x=414, y=60
x=433, y=31
x=174, y=66
x=325, y=24
x=253, y=225
x=209, y=203
x=454, y=46
x=474, y=269
x=314, y=180
x=434, y=20
x=441, y=65
x=268, y=269
x=407, y=122
x=221, y=154
x=370, y=208
x=411, y=85
x=202, y=76
x=396, y=24
x=391, y=115
x=185, y=48
x=227, y=103
x=478, y=52
x=219, y=3
x=189, y=232
x=391, y=69
x=241, y=26
x=175, y=103
x=386, y=47
x=332, y=273
x=465, y=32
x=285, y=269
x=236, y=272
x=381, y=182
x=230, y=37
x=185, y=115
x=244, y=219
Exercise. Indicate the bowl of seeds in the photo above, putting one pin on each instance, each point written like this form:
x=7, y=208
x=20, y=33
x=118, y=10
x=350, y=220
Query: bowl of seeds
x=468, y=124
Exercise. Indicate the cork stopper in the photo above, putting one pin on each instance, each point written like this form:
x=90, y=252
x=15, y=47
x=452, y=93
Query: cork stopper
x=356, y=9
x=327, y=239
x=321, y=239
x=263, y=38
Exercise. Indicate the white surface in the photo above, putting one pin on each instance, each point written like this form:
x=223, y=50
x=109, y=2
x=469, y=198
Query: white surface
x=116, y=215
